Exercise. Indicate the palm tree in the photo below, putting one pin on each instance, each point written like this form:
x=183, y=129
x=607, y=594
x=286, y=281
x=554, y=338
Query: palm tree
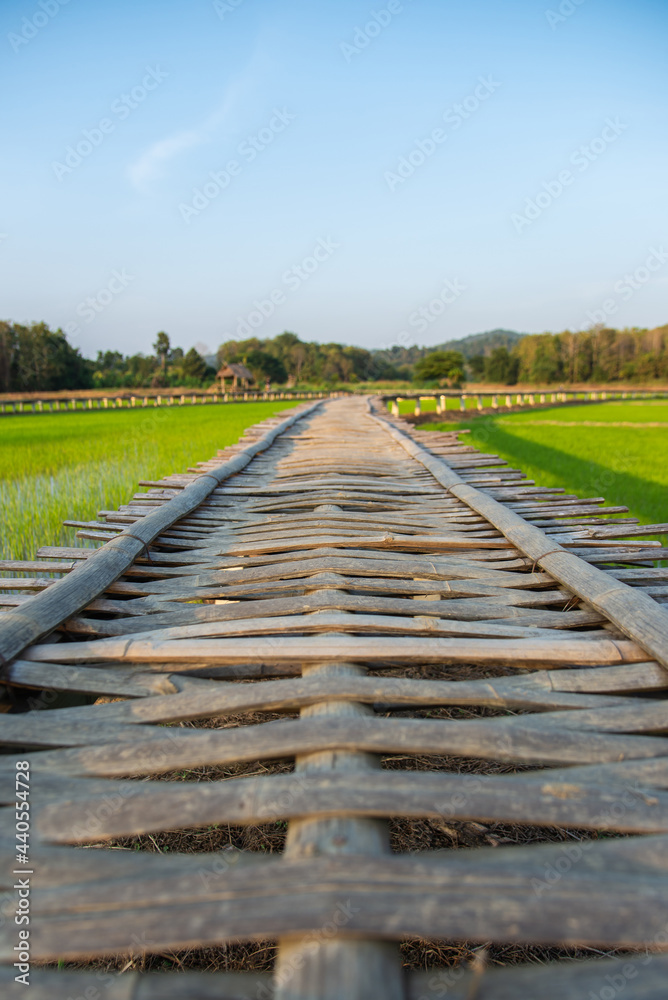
x=161, y=348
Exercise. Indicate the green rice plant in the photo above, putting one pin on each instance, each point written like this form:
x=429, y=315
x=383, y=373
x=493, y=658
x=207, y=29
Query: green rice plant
x=68, y=466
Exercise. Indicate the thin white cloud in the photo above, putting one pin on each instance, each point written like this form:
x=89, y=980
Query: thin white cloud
x=152, y=163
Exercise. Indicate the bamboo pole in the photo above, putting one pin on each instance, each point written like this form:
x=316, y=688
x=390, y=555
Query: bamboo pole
x=337, y=967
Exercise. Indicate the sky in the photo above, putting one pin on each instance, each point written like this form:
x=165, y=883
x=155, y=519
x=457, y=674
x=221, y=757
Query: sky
x=408, y=172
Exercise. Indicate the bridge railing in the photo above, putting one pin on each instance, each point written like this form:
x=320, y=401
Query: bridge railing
x=140, y=399
x=513, y=400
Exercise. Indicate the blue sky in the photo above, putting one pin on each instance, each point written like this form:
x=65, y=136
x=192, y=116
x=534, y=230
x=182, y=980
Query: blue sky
x=405, y=172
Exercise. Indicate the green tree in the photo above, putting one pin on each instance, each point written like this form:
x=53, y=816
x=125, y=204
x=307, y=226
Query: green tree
x=35, y=358
x=501, y=366
x=161, y=348
x=443, y=366
x=265, y=366
x=194, y=366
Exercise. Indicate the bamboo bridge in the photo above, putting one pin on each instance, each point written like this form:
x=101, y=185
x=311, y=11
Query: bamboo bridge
x=404, y=635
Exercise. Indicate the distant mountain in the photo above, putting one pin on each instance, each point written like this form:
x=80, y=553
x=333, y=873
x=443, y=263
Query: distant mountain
x=476, y=343
x=481, y=343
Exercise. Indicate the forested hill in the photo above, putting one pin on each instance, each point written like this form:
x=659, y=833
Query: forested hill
x=482, y=343
x=476, y=344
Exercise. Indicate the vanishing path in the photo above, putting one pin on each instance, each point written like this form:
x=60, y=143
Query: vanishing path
x=445, y=641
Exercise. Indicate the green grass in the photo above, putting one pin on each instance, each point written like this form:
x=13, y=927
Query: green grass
x=559, y=447
x=69, y=466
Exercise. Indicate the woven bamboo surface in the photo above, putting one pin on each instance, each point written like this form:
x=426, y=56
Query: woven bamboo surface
x=395, y=627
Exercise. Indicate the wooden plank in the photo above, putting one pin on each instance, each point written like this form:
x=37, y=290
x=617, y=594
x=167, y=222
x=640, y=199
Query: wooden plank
x=539, y=692
x=332, y=798
x=521, y=653
x=49, y=984
x=469, y=609
x=56, y=677
x=644, y=973
x=389, y=898
x=334, y=621
x=131, y=751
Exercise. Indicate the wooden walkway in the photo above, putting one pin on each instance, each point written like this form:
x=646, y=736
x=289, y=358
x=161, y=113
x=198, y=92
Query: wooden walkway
x=442, y=642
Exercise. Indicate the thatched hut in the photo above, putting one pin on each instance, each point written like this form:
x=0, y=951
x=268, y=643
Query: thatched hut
x=240, y=375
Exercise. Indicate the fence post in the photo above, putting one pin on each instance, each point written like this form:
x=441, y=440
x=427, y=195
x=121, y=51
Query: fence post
x=479, y=402
x=462, y=402
x=495, y=402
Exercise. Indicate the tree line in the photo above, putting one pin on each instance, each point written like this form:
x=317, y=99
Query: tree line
x=287, y=357
x=598, y=355
x=34, y=358
x=167, y=368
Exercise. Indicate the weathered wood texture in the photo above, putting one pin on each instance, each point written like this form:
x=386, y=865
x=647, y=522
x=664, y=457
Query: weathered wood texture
x=443, y=642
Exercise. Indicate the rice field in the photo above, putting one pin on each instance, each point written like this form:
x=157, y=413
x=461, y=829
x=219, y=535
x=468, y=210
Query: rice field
x=71, y=465
x=617, y=450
